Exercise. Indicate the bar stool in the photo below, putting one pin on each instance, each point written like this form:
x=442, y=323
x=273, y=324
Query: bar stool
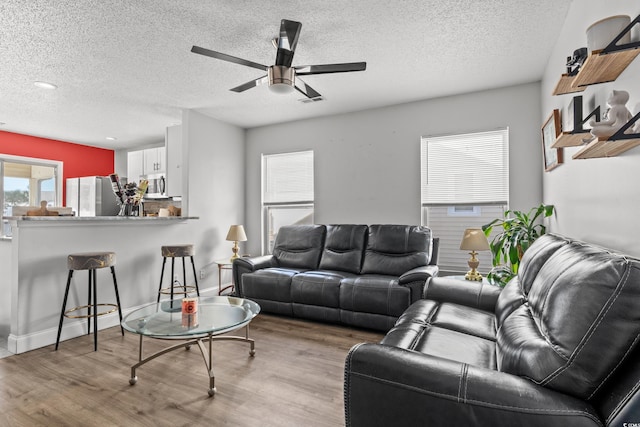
x=173, y=252
x=90, y=261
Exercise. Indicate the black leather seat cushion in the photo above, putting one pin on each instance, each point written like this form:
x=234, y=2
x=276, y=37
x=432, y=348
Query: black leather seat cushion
x=374, y=293
x=320, y=288
x=447, y=330
x=269, y=284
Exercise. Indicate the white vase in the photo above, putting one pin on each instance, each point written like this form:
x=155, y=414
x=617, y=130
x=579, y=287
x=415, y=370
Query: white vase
x=601, y=33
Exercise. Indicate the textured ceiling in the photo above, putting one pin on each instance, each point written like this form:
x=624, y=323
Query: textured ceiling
x=124, y=68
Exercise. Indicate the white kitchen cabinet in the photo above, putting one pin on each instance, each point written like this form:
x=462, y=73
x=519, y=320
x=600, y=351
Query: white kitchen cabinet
x=154, y=160
x=173, y=143
x=135, y=165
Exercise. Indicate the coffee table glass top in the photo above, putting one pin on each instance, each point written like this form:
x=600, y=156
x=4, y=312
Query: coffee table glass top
x=215, y=315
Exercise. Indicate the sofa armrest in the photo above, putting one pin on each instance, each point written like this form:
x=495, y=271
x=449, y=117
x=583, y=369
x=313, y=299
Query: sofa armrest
x=387, y=385
x=249, y=265
x=414, y=279
x=465, y=292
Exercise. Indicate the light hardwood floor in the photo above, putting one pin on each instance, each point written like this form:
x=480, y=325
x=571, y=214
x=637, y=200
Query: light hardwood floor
x=295, y=379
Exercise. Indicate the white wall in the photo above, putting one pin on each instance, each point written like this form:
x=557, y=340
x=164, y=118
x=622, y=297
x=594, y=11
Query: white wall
x=367, y=164
x=596, y=199
x=213, y=152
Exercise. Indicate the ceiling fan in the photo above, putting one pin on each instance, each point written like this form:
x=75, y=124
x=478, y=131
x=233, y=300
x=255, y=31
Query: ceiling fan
x=282, y=77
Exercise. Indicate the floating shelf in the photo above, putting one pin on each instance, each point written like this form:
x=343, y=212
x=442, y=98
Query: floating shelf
x=565, y=85
x=603, y=68
x=569, y=139
x=605, y=148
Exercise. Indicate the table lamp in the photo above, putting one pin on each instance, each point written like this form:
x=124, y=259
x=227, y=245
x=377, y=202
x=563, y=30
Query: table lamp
x=474, y=240
x=236, y=234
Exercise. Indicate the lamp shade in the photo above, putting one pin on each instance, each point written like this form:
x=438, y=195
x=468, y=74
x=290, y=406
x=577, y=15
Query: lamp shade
x=236, y=234
x=474, y=240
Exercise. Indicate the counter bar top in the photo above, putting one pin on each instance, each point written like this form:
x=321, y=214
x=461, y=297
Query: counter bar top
x=99, y=218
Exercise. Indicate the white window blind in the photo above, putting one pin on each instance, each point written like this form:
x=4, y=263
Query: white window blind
x=464, y=183
x=469, y=169
x=288, y=178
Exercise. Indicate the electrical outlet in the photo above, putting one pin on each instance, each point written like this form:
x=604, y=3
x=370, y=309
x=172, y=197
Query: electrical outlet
x=202, y=273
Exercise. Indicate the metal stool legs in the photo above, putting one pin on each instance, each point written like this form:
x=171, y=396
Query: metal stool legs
x=171, y=289
x=92, y=305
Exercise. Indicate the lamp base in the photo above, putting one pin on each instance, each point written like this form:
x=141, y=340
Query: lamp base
x=235, y=250
x=473, y=275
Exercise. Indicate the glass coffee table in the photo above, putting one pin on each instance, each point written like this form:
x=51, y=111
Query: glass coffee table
x=214, y=316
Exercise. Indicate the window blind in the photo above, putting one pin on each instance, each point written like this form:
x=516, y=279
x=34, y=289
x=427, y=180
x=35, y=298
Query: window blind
x=471, y=169
x=288, y=177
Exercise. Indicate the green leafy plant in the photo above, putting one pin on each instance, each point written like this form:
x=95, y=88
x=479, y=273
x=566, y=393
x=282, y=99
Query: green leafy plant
x=518, y=231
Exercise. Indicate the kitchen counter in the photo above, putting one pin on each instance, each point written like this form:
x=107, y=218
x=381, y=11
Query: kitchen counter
x=34, y=268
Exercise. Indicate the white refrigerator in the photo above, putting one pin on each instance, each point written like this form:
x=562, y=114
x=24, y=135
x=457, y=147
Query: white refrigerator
x=91, y=196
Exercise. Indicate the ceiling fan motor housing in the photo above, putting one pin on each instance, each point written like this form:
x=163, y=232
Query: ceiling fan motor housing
x=281, y=79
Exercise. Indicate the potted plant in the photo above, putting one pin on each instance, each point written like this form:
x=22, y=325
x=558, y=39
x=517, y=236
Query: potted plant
x=518, y=231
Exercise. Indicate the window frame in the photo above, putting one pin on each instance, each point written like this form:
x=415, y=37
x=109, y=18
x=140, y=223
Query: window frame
x=474, y=214
x=290, y=204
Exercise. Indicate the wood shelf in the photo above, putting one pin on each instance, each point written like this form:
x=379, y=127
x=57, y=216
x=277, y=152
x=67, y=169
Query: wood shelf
x=605, y=148
x=604, y=68
x=565, y=85
x=569, y=139
x=597, y=68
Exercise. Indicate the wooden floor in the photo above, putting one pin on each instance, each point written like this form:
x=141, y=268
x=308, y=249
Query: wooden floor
x=295, y=379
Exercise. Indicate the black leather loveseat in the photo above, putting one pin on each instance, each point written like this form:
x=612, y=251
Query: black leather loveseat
x=358, y=275
x=558, y=346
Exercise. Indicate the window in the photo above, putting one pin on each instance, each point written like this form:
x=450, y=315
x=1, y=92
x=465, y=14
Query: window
x=464, y=183
x=27, y=182
x=287, y=193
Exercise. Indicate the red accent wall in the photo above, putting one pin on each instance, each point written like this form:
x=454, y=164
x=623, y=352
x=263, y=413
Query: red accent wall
x=78, y=160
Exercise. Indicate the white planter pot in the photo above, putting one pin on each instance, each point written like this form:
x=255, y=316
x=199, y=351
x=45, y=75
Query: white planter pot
x=601, y=33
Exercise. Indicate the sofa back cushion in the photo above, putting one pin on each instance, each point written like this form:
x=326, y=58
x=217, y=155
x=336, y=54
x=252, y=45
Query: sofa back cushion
x=579, y=316
x=299, y=246
x=344, y=248
x=396, y=249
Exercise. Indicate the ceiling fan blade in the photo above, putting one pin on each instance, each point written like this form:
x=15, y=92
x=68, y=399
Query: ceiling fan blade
x=306, y=70
x=306, y=90
x=229, y=58
x=287, y=41
x=253, y=83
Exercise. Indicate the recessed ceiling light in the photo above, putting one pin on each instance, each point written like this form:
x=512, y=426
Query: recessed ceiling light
x=45, y=85
x=111, y=138
x=2, y=123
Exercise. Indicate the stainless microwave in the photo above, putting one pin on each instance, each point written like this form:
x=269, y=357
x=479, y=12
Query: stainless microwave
x=157, y=186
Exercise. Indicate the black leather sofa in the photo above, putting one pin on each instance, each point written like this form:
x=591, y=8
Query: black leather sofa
x=558, y=346
x=359, y=275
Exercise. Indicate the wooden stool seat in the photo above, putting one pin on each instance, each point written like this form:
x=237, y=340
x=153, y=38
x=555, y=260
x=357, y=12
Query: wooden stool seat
x=90, y=261
x=173, y=252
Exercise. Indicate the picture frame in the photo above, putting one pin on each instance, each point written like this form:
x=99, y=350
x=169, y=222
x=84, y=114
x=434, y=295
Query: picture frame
x=553, y=157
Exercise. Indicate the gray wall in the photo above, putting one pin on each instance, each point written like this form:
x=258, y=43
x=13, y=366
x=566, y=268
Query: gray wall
x=596, y=199
x=367, y=164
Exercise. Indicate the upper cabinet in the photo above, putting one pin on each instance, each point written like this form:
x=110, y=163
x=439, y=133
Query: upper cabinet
x=155, y=160
x=173, y=142
x=146, y=162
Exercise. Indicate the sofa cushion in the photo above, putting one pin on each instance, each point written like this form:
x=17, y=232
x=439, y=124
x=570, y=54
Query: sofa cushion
x=396, y=249
x=317, y=288
x=451, y=331
x=377, y=294
x=344, y=247
x=299, y=246
x=269, y=284
x=580, y=317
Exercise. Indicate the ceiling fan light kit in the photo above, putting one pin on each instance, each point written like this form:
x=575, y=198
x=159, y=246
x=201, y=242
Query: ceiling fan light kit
x=281, y=79
x=281, y=76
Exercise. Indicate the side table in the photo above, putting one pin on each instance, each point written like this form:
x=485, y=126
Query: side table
x=485, y=281
x=224, y=264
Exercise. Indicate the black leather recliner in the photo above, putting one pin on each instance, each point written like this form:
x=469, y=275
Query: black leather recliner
x=353, y=274
x=558, y=346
